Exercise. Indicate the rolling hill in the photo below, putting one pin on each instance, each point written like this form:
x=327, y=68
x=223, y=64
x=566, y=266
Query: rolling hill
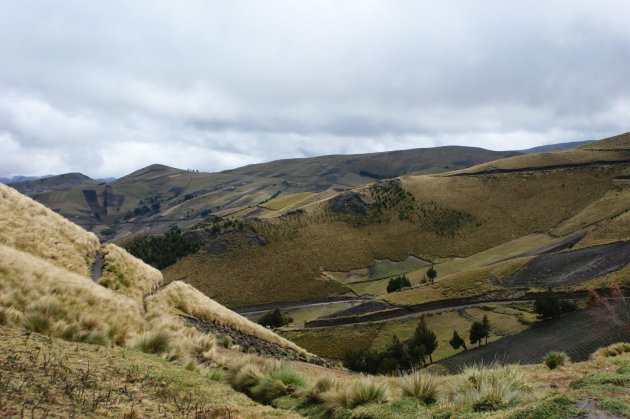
x=88, y=330
x=156, y=197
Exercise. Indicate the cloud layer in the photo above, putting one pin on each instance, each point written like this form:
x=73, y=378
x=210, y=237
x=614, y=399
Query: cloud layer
x=108, y=87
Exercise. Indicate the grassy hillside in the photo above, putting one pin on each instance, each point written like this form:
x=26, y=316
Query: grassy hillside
x=156, y=197
x=80, y=339
x=452, y=216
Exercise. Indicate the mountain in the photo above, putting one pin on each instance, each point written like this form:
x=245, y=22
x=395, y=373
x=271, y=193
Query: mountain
x=153, y=199
x=19, y=178
x=53, y=183
x=555, y=147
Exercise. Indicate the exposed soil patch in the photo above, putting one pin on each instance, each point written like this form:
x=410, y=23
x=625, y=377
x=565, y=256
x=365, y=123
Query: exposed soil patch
x=578, y=334
x=246, y=342
x=571, y=267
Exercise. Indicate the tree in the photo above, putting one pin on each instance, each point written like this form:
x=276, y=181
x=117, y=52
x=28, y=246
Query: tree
x=547, y=305
x=424, y=338
x=486, y=327
x=457, y=342
x=274, y=319
x=397, y=283
x=431, y=274
x=476, y=333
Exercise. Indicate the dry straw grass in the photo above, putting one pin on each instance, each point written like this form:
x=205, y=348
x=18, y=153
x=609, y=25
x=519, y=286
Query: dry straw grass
x=62, y=303
x=184, y=297
x=28, y=226
x=127, y=274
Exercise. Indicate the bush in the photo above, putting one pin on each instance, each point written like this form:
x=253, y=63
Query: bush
x=152, y=342
x=556, y=359
x=277, y=383
x=421, y=386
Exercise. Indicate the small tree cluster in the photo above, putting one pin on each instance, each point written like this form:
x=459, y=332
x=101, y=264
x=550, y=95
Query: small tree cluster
x=431, y=274
x=548, y=306
x=398, y=283
x=162, y=251
x=398, y=355
x=479, y=330
x=274, y=319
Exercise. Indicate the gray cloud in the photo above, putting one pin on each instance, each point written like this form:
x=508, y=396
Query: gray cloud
x=108, y=87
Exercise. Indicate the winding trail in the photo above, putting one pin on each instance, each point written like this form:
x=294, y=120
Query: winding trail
x=97, y=265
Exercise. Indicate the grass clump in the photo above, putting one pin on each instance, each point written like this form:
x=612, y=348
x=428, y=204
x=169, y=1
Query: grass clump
x=556, y=359
x=243, y=377
x=366, y=390
x=421, y=386
x=37, y=322
x=313, y=394
x=489, y=388
x=152, y=342
x=215, y=375
x=277, y=383
x=612, y=350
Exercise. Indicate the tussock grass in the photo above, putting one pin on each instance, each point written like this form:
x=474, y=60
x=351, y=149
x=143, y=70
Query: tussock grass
x=323, y=384
x=30, y=227
x=420, y=385
x=190, y=301
x=277, y=383
x=615, y=349
x=158, y=342
x=489, y=388
x=40, y=294
x=244, y=376
x=127, y=274
x=361, y=391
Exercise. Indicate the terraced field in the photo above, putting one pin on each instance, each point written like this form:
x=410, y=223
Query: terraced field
x=571, y=267
x=505, y=320
x=578, y=334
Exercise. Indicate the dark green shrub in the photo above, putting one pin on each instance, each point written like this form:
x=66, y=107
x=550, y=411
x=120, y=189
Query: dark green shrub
x=556, y=359
x=398, y=283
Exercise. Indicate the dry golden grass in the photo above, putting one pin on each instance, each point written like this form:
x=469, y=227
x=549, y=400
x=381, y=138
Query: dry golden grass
x=286, y=201
x=52, y=378
x=185, y=298
x=618, y=142
x=28, y=226
x=73, y=305
x=608, y=231
x=505, y=208
x=540, y=160
x=127, y=274
x=469, y=283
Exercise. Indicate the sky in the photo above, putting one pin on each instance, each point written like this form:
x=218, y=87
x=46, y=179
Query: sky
x=107, y=87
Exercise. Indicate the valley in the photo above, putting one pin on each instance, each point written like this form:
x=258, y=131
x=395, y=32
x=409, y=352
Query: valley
x=476, y=245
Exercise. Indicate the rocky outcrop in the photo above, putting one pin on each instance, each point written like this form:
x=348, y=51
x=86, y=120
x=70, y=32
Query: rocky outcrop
x=219, y=242
x=349, y=203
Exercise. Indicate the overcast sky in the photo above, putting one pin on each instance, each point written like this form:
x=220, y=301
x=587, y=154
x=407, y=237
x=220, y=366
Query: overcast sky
x=107, y=87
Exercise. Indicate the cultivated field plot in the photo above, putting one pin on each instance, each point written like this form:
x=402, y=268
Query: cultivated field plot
x=578, y=334
x=333, y=342
x=572, y=267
